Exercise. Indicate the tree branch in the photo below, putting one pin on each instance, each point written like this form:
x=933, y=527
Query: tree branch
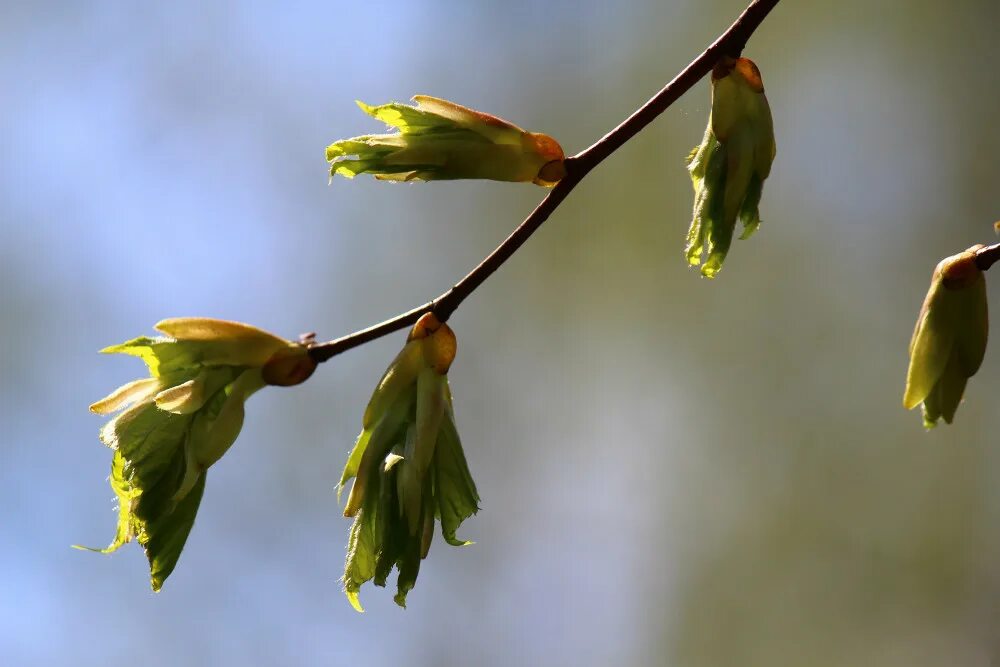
x=985, y=257
x=730, y=43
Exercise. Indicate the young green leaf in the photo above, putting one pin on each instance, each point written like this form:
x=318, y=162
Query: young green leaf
x=441, y=140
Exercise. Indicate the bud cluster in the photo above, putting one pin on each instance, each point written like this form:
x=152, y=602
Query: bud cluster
x=175, y=424
x=408, y=466
x=729, y=167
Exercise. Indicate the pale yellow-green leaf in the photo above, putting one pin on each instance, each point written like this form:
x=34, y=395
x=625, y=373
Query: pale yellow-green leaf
x=133, y=392
x=429, y=413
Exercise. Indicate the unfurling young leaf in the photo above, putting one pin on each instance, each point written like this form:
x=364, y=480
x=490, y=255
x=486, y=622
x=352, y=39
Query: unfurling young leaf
x=729, y=167
x=408, y=467
x=949, y=341
x=174, y=425
x=441, y=140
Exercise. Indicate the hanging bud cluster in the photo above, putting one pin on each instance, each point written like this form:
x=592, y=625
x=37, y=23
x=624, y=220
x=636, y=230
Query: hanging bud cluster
x=729, y=167
x=441, y=140
x=408, y=466
x=949, y=341
x=172, y=426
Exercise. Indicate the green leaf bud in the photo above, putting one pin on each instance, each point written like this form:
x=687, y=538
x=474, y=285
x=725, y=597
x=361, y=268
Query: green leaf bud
x=949, y=340
x=728, y=169
x=441, y=140
x=408, y=466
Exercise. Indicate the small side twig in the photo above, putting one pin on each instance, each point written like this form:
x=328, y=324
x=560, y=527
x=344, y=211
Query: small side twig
x=730, y=43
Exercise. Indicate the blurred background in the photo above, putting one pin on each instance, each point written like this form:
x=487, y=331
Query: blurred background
x=674, y=471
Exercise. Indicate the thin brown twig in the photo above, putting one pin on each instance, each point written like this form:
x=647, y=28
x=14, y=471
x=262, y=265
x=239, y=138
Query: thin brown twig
x=730, y=43
x=986, y=257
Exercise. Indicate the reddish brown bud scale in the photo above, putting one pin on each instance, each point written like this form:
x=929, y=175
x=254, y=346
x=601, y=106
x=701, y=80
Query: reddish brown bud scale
x=744, y=67
x=749, y=71
x=425, y=326
x=547, y=147
x=960, y=271
x=289, y=367
x=551, y=173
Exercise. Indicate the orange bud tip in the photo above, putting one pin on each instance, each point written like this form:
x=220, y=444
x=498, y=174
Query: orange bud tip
x=424, y=327
x=744, y=67
x=440, y=349
x=748, y=70
x=288, y=367
x=547, y=147
x=959, y=271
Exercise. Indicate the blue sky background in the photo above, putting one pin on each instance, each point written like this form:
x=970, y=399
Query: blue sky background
x=673, y=470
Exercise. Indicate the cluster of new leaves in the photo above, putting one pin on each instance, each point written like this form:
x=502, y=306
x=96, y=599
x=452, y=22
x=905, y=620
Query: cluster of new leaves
x=408, y=466
x=172, y=426
x=729, y=167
